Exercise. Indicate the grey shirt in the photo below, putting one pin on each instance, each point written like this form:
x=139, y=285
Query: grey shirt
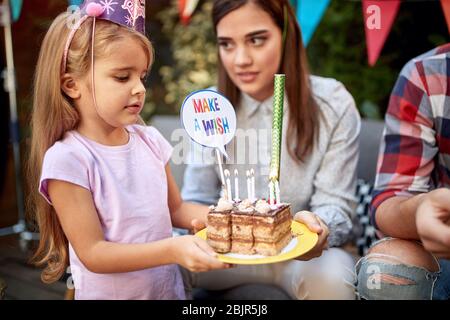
x=324, y=183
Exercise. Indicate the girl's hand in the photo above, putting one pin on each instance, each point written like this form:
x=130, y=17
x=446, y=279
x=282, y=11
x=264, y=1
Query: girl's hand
x=196, y=255
x=315, y=224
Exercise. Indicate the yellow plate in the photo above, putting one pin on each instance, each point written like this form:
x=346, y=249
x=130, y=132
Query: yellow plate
x=303, y=242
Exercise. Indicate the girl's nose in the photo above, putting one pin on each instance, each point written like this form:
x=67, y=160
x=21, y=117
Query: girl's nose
x=242, y=57
x=139, y=88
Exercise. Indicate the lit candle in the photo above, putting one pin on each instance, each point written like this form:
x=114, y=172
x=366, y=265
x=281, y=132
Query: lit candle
x=249, y=187
x=252, y=184
x=236, y=185
x=277, y=192
x=228, y=182
x=271, y=188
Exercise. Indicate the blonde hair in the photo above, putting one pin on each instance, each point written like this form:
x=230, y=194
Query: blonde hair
x=54, y=114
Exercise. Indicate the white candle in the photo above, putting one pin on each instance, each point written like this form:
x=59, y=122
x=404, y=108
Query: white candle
x=249, y=187
x=271, y=187
x=252, y=184
x=228, y=182
x=277, y=192
x=236, y=185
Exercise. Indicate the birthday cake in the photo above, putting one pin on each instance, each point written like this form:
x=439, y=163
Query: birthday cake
x=249, y=227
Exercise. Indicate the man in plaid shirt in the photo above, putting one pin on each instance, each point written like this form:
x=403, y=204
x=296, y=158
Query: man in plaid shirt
x=411, y=200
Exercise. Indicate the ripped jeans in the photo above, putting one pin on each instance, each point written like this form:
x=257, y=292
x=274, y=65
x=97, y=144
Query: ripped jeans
x=385, y=277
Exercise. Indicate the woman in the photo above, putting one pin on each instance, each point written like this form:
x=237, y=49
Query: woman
x=257, y=39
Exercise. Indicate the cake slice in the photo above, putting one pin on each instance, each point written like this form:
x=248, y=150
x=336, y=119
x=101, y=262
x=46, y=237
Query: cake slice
x=271, y=228
x=242, y=228
x=218, y=232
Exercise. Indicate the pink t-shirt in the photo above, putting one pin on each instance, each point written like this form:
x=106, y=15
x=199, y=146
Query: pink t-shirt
x=129, y=187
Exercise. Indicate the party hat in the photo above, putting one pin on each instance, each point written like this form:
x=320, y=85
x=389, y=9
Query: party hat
x=128, y=13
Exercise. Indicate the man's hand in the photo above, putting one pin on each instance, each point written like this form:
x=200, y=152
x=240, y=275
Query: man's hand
x=315, y=224
x=433, y=222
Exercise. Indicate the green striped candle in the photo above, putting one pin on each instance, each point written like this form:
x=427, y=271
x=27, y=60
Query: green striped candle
x=277, y=131
x=277, y=126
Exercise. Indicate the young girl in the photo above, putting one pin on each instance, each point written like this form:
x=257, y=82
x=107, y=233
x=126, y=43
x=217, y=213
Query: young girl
x=109, y=199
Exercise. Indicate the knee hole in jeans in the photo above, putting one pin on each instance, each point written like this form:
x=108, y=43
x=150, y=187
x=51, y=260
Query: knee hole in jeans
x=409, y=253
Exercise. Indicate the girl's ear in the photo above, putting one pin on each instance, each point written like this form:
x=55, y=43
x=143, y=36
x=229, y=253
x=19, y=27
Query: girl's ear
x=70, y=86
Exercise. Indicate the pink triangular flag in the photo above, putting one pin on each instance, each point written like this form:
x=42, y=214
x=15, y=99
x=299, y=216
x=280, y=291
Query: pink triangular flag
x=186, y=8
x=446, y=8
x=379, y=15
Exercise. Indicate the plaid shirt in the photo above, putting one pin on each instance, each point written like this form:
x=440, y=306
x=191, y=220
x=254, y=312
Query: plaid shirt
x=415, y=149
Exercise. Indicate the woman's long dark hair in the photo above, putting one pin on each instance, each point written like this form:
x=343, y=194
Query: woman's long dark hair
x=303, y=110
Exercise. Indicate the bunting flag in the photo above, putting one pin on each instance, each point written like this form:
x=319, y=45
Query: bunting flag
x=75, y=2
x=294, y=3
x=186, y=8
x=309, y=14
x=16, y=8
x=379, y=17
x=446, y=8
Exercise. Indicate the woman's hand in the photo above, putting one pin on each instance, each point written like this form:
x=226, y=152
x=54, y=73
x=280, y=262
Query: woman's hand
x=433, y=222
x=315, y=224
x=197, y=225
x=196, y=255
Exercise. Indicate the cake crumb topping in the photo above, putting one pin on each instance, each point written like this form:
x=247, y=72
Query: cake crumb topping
x=262, y=206
x=224, y=205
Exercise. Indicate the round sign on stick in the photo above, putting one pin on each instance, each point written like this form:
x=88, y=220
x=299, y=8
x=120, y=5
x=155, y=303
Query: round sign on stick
x=209, y=119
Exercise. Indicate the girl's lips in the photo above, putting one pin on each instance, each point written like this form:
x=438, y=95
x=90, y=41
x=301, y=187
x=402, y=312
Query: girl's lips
x=135, y=108
x=247, y=77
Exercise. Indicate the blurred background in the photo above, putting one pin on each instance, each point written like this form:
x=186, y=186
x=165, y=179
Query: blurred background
x=186, y=57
